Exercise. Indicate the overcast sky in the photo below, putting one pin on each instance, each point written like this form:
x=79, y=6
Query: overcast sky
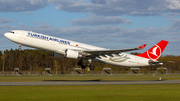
x=114, y=24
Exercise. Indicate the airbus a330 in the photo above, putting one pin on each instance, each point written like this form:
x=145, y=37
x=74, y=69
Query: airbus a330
x=63, y=48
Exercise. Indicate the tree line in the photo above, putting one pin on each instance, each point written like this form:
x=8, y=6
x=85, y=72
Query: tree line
x=36, y=60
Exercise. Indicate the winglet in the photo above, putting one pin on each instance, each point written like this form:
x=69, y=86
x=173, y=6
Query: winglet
x=142, y=46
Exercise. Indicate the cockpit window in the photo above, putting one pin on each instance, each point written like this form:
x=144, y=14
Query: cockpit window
x=11, y=32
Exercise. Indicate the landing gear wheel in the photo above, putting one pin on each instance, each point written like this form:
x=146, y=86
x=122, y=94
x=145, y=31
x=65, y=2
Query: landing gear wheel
x=80, y=63
x=88, y=64
x=83, y=66
x=91, y=67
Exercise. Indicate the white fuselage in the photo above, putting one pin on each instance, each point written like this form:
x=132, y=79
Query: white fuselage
x=58, y=45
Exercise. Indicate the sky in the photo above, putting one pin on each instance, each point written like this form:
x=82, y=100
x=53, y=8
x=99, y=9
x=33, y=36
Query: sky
x=112, y=24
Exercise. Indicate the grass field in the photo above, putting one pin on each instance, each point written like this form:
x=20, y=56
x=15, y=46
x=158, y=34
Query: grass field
x=91, y=93
x=164, y=92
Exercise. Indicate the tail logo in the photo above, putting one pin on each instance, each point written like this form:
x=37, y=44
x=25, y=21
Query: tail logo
x=154, y=53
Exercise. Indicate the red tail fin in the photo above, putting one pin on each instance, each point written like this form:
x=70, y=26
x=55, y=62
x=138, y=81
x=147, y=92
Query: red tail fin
x=155, y=52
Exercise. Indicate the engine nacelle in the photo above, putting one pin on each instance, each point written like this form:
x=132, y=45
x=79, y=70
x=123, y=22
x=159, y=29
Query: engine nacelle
x=57, y=55
x=72, y=54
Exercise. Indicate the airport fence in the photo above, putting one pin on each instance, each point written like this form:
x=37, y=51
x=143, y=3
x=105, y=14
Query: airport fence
x=29, y=73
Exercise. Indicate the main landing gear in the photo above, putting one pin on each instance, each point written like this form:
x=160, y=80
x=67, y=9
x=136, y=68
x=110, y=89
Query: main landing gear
x=81, y=63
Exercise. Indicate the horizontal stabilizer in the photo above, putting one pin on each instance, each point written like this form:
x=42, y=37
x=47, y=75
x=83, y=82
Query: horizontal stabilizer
x=151, y=62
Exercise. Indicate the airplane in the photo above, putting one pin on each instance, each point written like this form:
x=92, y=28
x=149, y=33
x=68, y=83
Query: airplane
x=63, y=48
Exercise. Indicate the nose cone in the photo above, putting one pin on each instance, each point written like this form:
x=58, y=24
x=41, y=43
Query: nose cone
x=6, y=35
x=11, y=36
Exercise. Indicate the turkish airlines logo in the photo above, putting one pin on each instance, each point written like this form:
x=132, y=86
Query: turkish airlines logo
x=154, y=53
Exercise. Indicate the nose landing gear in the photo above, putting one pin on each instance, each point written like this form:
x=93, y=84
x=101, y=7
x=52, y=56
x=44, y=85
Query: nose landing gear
x=19, y=47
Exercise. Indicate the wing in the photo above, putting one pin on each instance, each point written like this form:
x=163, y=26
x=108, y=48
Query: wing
x=97, y=53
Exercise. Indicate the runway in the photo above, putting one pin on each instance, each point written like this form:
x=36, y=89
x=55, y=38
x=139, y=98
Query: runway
x=87, y=82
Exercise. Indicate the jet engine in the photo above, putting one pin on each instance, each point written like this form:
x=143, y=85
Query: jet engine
x=72, y=54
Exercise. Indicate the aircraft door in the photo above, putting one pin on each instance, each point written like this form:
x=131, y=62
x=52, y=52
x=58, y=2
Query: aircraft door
x=53, y=44
x=20, y=35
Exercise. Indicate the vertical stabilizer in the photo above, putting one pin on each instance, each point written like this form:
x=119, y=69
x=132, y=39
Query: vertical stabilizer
x=155, y=52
